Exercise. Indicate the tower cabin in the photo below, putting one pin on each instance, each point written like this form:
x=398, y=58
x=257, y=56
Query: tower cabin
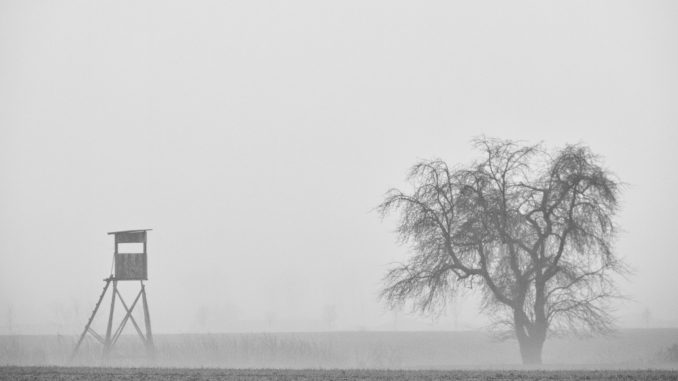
x=131, y=260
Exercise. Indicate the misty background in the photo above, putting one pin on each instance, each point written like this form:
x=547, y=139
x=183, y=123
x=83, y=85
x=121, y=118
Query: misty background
x=255, y=139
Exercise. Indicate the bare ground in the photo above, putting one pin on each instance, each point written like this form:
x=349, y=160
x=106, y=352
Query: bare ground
x=149, y=374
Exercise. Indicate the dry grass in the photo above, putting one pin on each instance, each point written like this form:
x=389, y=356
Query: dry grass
x=638, y=349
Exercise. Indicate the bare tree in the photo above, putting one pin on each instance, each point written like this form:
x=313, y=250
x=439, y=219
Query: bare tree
x=531, y=230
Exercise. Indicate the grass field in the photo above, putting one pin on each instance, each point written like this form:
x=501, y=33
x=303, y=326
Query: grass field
x=629, y=349
x=622, y=355
x=149, y=374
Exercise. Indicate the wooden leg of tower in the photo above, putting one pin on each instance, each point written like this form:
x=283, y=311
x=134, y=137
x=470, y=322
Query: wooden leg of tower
x=150, y=346
x=108, y=341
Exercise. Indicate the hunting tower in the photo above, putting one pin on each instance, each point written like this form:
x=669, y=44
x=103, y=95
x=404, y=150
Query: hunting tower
x=131, y=264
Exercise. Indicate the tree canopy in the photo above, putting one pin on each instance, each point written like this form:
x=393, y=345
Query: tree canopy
x=531, y=229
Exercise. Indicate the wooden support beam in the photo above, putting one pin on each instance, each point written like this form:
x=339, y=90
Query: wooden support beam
x=118, y=331
x=108, y=343
x=131, y=317
x=96, y=335
x=150, y=346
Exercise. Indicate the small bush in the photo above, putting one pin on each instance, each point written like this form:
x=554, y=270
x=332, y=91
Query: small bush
x=669, y=354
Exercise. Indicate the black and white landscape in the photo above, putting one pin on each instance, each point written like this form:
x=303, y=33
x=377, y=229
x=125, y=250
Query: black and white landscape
x=412, y=189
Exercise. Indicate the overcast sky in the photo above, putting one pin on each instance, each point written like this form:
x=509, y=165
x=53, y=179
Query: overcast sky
x=255, y=138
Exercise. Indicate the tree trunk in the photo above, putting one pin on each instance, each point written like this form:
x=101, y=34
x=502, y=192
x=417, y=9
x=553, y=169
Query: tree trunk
x=530, y=350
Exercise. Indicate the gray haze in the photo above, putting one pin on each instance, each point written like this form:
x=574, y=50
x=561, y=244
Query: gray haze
x=255, y=139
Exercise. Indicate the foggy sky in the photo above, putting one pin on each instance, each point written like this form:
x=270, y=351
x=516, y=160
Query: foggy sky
x=255, y=139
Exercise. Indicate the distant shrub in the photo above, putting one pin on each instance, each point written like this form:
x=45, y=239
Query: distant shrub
x=669, y=354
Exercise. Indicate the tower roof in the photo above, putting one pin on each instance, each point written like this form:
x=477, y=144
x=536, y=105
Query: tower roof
x=130, y=231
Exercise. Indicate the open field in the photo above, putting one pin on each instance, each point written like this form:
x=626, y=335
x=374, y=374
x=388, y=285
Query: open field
x=629, y=349
x=149, y=374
